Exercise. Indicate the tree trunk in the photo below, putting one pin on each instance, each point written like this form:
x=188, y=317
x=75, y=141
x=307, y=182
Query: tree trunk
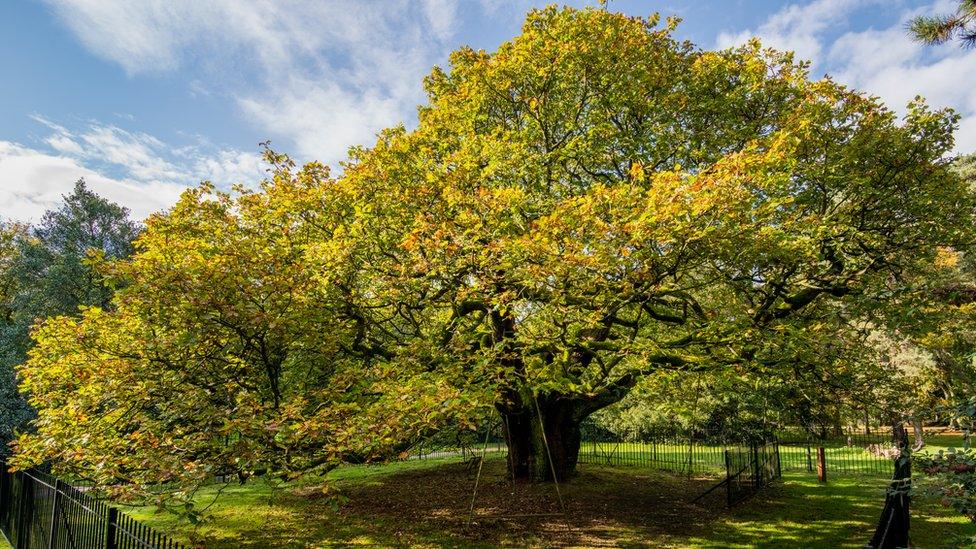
x=919, y=433
x=529, y=447
x=837, y=425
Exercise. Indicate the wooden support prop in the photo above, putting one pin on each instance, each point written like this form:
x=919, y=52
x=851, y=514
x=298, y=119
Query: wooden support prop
x=821, y=464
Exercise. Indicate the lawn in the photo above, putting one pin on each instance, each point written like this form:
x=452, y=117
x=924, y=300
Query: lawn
x=426, y=502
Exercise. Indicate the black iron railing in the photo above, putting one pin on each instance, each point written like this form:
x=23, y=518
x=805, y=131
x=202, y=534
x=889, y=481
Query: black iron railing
x=39, y=511
x=749, y=469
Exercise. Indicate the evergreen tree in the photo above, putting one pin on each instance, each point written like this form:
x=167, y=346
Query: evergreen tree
x=939, y=29
x=48, y=270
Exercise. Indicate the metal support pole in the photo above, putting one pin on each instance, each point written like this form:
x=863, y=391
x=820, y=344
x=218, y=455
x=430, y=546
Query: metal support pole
x=728, y=479
x=112, y=529
x=4, y=495
x=55, y=511
x=26, y=511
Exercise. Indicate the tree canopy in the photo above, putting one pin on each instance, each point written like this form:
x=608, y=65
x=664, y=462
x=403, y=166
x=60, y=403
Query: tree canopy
x=48, y=270
x=591, y=203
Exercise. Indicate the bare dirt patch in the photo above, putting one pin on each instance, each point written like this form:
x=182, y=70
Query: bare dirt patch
x=603, y=506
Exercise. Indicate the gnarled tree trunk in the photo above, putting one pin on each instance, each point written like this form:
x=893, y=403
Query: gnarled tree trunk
x=534, y=434
x=546, y=425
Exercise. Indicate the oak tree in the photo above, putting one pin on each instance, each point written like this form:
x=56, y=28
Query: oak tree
x=591, y=203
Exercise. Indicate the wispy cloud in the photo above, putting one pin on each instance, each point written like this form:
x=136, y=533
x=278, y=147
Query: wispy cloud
x=323, y=75
x=138, y=156
x=799, y=27
x=885, y=62
x=135, y=169
x=34, y=181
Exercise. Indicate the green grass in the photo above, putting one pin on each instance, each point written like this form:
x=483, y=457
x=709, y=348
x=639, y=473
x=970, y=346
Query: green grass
x=425, y=503
x=801, y=512
x=269, y=514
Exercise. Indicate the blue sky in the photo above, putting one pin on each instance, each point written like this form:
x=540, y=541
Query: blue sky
x=146, y=97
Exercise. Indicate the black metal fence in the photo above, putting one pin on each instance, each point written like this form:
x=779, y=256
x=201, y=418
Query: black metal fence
x=695, y=454
x=845, y=453
x=685, y=456
x=39, y=511
x=750, y=469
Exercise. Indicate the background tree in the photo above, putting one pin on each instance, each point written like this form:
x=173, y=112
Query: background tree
x=938, y=316
x=49, y=269
x=223, y=353
x=938, y=29
x=14, y=412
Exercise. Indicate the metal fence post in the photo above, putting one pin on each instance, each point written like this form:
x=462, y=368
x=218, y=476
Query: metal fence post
x=757, y=476
x=55, y=511
x=809, y=460
x=779, y=462
x=26, y=510
x=728, y=479
x=4, y=495
x=112, y=529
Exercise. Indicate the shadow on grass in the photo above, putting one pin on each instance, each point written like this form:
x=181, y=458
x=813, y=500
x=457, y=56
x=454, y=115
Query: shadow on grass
x=800, y=512
x=426, y=503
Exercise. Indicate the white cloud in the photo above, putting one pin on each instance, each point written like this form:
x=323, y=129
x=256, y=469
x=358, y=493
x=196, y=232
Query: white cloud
x=64, y=144
x=798, y=27
x=440, y=16
x=33, y=182
x=142, y=157
x=326, y=118
x=884, y=62
x=136, y=153
x=134, y=169
x=226, y=167
x=324, y=75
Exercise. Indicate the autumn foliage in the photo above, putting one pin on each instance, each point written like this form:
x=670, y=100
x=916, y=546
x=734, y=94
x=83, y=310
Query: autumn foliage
x=592, y=203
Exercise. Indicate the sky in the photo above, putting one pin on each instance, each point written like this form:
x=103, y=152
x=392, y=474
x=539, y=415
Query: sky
x=144, y=98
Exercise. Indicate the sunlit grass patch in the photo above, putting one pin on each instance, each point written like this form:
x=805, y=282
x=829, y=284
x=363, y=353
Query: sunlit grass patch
x=425, y=503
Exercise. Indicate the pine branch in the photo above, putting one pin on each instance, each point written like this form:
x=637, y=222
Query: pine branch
x=933, y=30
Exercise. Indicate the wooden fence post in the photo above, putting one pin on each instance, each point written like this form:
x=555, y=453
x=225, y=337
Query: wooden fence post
x=821, y=464
x=111, y=529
